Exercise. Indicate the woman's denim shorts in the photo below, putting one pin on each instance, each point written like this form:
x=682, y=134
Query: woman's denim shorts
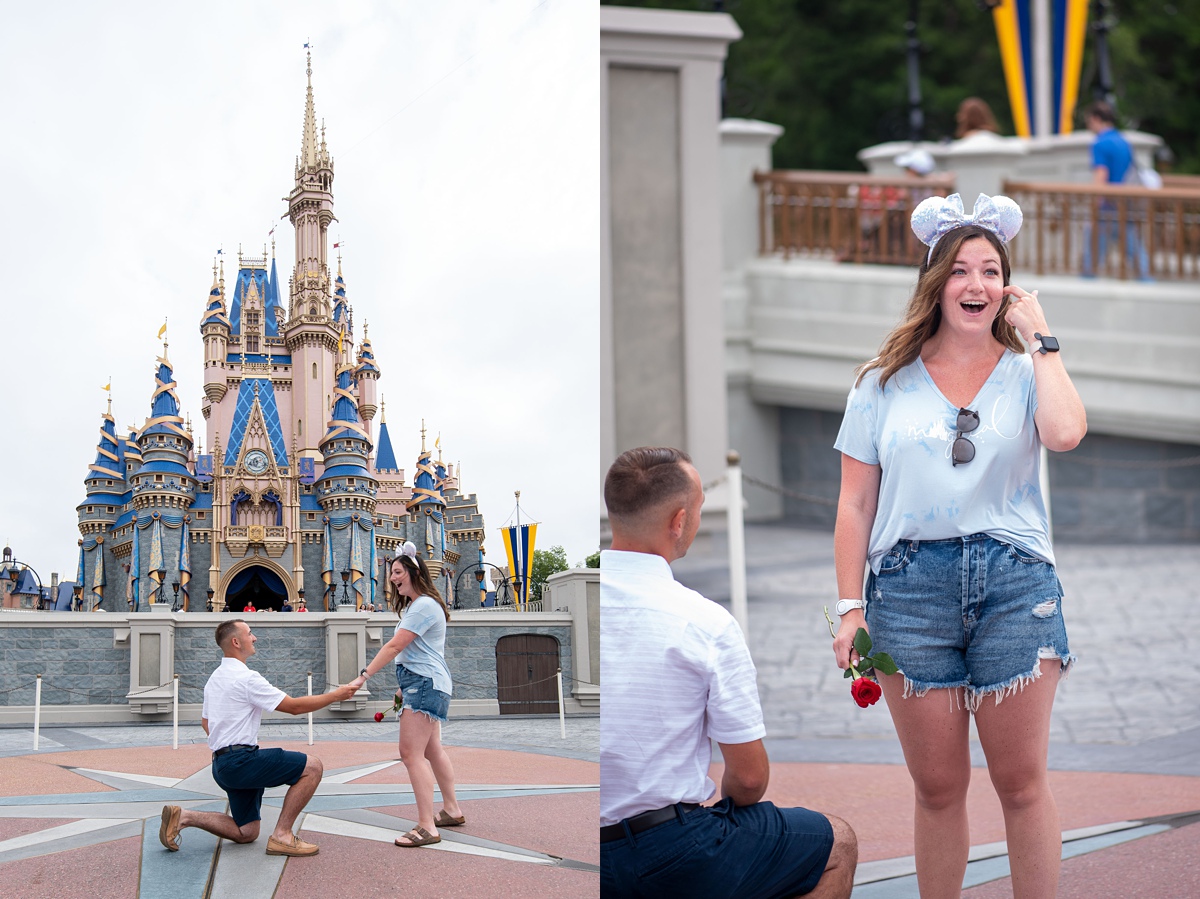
x=420, y=696
x=970, y=612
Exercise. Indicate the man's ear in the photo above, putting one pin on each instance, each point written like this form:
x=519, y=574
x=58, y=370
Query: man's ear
x=677, y=522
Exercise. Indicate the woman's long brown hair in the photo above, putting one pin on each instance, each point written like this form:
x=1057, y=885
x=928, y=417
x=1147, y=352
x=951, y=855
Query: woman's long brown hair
x=924, y=313
x=418, y=573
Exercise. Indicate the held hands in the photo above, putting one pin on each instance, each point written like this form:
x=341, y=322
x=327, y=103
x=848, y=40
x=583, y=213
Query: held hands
x=358, y=682
x=346, y=691
x=1024, y=312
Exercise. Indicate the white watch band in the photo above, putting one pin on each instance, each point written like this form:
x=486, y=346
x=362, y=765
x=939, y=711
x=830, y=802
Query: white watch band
x=1035, y=347
x=845, y=605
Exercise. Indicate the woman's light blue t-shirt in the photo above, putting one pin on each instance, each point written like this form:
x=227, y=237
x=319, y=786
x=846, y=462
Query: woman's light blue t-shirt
x=426, y=654
x=908, y=428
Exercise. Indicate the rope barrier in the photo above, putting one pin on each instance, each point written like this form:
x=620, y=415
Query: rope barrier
x=287, y=688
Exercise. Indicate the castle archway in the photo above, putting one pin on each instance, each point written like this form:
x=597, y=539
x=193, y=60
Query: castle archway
x=255, y=583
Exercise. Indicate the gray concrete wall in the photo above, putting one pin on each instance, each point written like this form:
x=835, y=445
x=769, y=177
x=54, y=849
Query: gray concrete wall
x=86, y=673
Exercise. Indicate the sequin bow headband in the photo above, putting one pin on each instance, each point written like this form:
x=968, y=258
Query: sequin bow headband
x=936, y=216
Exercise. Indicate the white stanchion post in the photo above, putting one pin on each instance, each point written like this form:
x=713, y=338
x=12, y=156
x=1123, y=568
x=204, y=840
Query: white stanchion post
x=737, y=543
x=37, y=710
x=175, y=712
x=310, y=737
x=562, y=715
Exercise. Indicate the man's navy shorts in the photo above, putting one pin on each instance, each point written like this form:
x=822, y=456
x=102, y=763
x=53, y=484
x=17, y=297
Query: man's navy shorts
x=244, y=773
x=722, y=852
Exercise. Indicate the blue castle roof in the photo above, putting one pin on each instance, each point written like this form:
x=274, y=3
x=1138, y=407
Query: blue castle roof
x=267, y=289
x=164, y=409
x=385, y=457
x=108, y=454
x=241, y=417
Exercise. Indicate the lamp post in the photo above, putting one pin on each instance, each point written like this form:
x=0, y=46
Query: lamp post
x=916, y=115
x=478, y=569
x=209, y=604
x=77, y=598
x=162, y=583
x=345, y=587
x=11, y=563
x=1103, y=89
x=175, y=601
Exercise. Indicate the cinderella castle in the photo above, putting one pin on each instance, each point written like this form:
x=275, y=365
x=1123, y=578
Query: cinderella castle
x=298, y=501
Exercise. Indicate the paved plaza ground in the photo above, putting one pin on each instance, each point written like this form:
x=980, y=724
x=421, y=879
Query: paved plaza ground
x=80, y=816
x=1125, y=732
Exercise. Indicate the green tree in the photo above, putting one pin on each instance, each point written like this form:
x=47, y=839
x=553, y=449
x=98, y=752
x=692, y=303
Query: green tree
x=833, y=72
x=545, y=563
x=592, y=561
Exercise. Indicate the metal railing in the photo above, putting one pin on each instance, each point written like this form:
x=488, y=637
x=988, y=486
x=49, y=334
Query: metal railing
x=1117, y=231
x=842, y=216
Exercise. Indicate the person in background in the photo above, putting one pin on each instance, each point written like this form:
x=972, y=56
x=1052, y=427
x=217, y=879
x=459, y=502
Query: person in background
x=1112, y=163
x=677, y=673
x=974, y=119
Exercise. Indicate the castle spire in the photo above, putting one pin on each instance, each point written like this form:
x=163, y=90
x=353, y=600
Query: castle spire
x=308, y=146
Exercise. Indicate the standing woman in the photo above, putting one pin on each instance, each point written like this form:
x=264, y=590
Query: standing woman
x=941, y=497
x=419, y=648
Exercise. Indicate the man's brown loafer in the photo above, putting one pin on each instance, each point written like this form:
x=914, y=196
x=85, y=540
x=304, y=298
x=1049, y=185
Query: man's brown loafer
x=168, y=831
x=297, y=848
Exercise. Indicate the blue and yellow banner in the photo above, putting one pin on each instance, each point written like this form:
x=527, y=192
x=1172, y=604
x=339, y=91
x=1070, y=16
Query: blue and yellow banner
x=518, y=545
x=1014, y=32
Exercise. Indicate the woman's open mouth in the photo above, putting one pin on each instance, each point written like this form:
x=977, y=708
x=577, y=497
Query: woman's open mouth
x=974, y=307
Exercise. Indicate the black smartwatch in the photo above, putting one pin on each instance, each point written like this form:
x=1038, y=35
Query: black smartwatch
x=363, y=673
x=1043, y=343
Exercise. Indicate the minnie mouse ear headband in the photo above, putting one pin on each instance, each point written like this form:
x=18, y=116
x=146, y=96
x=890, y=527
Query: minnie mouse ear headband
x=408, y=549
x=937, y=216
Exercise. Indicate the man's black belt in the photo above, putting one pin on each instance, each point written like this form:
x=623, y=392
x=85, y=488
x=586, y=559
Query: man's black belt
x=643, y=822
x=230, y=748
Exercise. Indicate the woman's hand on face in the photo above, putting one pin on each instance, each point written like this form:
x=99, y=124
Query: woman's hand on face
x=843, y=643
x=1024, y=312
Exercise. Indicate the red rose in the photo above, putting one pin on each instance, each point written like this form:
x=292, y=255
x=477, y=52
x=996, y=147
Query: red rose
x=865, y=691
x=379, y=716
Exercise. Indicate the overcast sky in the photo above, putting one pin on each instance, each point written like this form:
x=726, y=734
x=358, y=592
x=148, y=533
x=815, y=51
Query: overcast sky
x=140, y=138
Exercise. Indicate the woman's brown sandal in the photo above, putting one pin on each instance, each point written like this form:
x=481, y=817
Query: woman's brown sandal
x=418, y=836
x=445, y=819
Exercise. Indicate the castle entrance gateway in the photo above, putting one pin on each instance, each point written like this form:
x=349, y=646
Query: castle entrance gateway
x=256, y=585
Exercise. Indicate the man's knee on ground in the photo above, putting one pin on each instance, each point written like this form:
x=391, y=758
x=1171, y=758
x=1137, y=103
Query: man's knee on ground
x=248, y=833
x=845, y=843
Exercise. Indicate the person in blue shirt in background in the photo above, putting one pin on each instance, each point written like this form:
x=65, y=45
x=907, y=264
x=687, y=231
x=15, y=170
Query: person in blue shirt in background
x=1112, y=162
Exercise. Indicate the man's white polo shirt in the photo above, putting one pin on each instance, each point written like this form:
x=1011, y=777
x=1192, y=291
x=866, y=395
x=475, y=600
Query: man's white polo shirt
x=234, y=701
x=674, y=671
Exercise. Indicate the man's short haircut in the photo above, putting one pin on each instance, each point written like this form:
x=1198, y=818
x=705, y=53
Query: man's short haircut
x=1102, y=111
x=226, y=630
x=644, y=478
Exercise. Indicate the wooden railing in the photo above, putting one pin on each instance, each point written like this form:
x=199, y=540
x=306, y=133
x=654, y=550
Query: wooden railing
x=842, y=216
x=1112, y=232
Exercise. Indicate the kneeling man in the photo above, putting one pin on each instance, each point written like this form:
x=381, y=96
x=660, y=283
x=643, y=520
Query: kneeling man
x=234, y=701
x=676, y=673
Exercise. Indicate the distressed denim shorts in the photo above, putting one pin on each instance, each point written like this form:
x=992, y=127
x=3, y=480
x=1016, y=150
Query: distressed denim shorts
x=969, y=612
x=420, y=696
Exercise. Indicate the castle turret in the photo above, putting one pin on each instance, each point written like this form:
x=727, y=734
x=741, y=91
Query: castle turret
x=215, y=329
x=428, y=503
x=347, y=492
x=105, y=483
x=367, y=374
x=163, y=490
x=310, y=334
